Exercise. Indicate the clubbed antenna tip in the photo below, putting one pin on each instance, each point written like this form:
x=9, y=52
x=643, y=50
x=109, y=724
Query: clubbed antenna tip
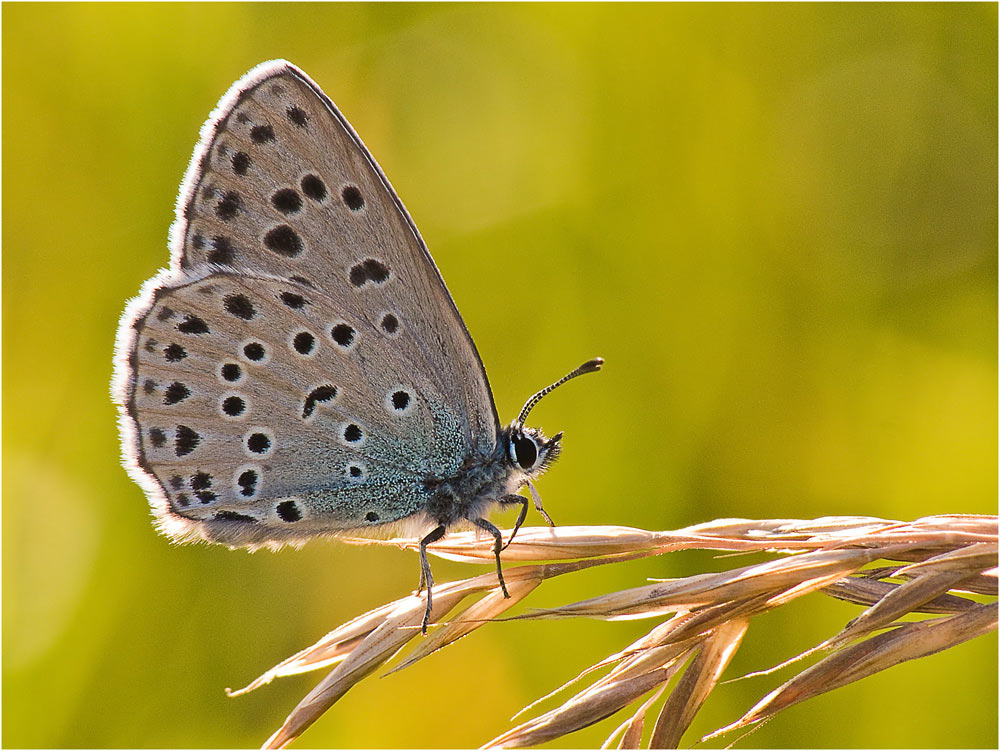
x=591, y=366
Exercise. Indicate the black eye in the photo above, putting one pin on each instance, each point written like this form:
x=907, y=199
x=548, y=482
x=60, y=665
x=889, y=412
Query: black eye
x=526, y=452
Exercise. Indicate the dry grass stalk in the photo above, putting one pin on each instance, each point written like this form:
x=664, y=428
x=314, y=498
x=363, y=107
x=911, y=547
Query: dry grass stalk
x=935, y=563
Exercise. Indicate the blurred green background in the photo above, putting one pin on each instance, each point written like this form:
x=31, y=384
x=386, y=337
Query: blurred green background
x=777, y=223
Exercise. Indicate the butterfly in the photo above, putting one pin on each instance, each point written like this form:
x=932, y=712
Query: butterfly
x=300, y=369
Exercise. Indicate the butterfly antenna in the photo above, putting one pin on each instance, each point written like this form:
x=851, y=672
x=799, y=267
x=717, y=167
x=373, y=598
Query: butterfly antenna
x=591, y=366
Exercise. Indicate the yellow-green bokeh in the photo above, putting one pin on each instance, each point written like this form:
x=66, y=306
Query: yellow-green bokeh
x=777, y=223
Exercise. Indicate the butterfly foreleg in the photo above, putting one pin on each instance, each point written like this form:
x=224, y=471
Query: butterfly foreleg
x=426, y=578
x=538, y=504
x=497, y=547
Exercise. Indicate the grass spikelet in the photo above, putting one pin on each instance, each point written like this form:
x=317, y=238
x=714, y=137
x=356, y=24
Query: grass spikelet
x=940, y=567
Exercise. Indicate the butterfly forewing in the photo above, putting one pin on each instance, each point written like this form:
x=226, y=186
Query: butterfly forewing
x=282, y=167
x=301, y=368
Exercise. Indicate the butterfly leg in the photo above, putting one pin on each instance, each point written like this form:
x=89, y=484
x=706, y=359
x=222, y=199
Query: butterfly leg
x=538, y=503
x=497, y=547
x=509, y=500
x=425, y=571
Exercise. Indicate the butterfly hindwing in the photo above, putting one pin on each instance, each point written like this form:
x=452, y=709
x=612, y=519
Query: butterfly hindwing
x=249, y=407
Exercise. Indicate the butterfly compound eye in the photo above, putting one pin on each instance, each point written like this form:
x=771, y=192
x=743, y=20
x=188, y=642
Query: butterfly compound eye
x=525, y=452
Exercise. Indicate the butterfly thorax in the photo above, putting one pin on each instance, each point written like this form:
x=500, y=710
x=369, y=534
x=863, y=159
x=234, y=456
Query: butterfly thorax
x=484, y=480
x=480, y=482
